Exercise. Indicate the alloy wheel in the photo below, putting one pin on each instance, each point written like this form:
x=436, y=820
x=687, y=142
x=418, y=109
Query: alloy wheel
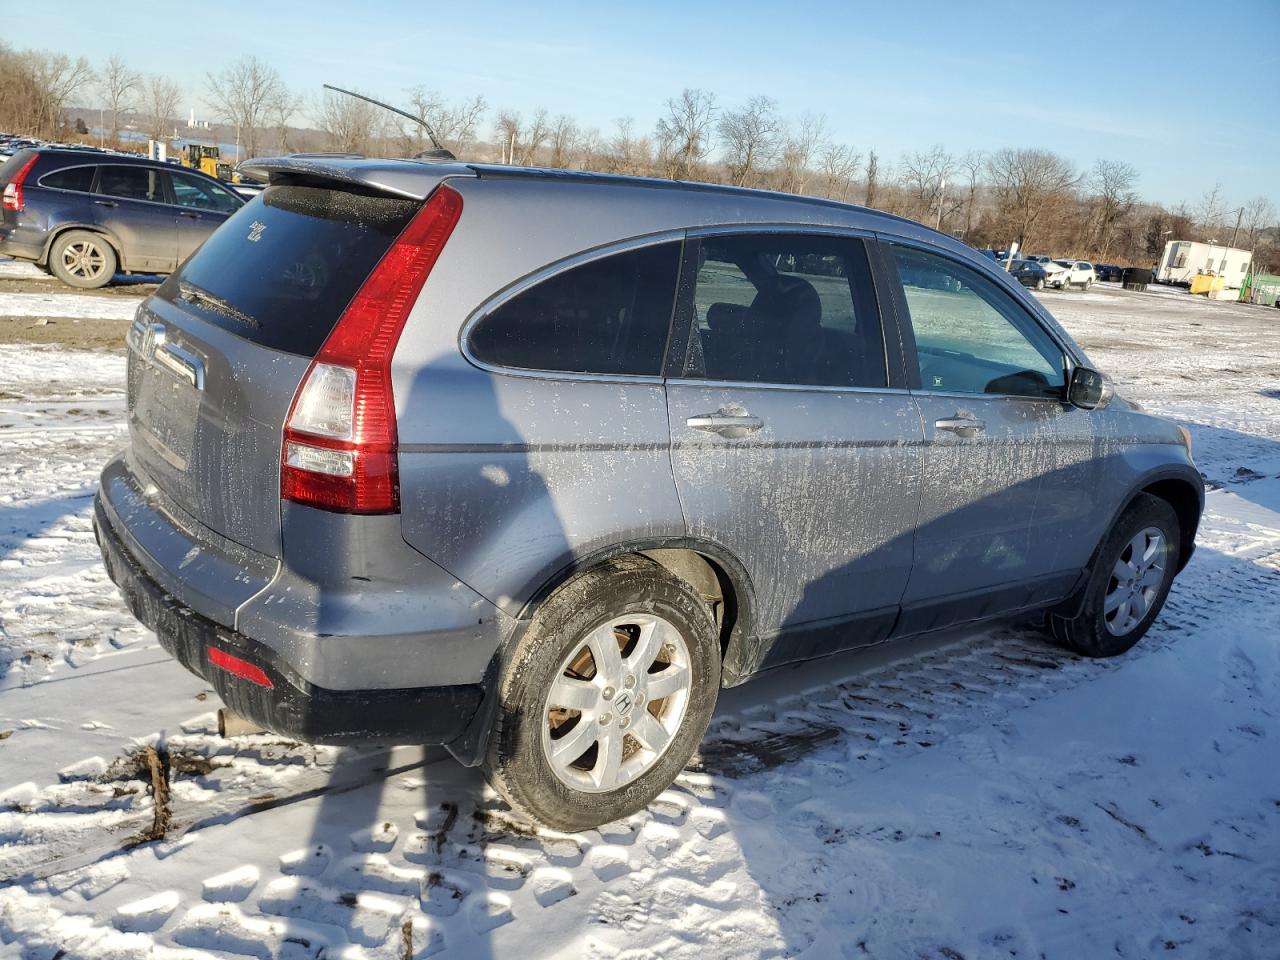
x=84, y=259
x=616, y=703
x=1136, y=579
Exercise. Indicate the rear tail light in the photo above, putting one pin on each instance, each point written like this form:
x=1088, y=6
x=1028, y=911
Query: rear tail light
x=12, y=198
x=339, y=448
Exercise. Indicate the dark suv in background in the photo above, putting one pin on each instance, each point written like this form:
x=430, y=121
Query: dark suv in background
x=85, y=216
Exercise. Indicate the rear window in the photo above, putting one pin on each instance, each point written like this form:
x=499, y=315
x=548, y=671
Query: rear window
x=79, y=179
x=282, y=269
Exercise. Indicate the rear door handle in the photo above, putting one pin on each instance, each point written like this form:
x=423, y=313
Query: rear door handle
x=727, y=425
x=961, y=426
x=106, y=203
x=189, y=214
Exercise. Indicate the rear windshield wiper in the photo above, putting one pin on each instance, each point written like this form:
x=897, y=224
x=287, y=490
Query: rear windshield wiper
x=202, y=297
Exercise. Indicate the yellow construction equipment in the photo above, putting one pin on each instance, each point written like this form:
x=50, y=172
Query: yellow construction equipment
x=205, y=157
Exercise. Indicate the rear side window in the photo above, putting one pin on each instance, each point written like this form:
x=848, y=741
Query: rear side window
x=283, y=268
x=132, y=183
x=79, y=179
x=609, y=316
x=786, y=309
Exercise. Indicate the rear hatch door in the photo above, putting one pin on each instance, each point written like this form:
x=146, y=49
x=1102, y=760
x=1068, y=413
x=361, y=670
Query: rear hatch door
x=217, y=353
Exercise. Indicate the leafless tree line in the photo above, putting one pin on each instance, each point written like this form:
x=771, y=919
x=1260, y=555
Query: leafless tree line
x=1035, y=197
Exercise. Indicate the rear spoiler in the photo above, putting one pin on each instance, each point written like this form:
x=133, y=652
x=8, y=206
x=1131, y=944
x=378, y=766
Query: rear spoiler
x=414, y=179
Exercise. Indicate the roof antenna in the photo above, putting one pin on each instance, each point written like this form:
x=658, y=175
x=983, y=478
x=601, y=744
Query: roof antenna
x=439, y=153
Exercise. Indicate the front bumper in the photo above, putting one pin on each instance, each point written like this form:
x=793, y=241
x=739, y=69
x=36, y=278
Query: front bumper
x=287, y=703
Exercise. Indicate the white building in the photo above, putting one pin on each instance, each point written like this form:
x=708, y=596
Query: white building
x=1183, y=259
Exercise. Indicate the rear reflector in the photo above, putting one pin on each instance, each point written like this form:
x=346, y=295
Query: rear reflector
x=241, y=668
x=12, y=198
x=339, y=449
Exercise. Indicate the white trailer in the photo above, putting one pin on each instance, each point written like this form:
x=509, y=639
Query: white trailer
x=1183, y=259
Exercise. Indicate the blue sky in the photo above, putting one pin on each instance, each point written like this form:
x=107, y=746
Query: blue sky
x=1190, y=99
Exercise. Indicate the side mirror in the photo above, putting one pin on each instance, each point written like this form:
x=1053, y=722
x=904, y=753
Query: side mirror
x=1088, y=390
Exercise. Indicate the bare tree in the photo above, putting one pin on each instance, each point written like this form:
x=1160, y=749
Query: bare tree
x=534, y=136
x=118, y=85
x=840, y=164
x=924, y=175
x=161, y=97
x=55, y=78
x=972, y=164
x=351, y=125
x=1259, y=213
x=1112, y=184
x=242, y=94
x=751, y=137
x=281, y=111
x=1026, y=183
x=454, y=123
x=563, y=140
x=627, y=153
x=799, y=150
x=1210, y=211
x=873, y=176
x=507, y=131
x=591, y=150
x=684, y=134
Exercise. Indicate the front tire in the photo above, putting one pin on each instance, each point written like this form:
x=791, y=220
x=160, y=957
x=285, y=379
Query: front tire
x=1039, y=284
x=82, y=259
x=1128, y=583
x=606, y=696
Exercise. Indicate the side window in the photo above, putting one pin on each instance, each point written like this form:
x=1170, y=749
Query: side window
x=609, y=316
x=189, y=191
x=79, y=179
x=971, y=336
x=132, y=183
x=785, y=309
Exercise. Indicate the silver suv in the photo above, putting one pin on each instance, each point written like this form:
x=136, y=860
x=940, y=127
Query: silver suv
x=531, y=464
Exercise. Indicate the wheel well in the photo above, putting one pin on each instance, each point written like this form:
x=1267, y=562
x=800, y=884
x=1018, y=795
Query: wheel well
x=98, y=231
x=711, y=581
x=1186, y=504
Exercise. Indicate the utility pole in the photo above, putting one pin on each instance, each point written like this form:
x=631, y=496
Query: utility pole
x=1239, y=218
x=942, y=195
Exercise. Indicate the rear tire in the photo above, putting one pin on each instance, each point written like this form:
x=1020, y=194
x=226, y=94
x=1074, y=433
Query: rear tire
x=82, y=259
x=1128, y=583
x=574, y=767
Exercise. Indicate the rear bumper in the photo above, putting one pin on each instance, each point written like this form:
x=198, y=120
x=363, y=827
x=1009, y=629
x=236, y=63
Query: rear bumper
x=18, y=243
x=286, y=703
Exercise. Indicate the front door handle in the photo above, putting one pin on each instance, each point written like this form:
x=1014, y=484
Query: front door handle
x=961, y=426
x=188, y=214
x=106, y=203
x=729, y=422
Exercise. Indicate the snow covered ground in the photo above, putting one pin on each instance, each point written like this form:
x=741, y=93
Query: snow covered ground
x=979, y=795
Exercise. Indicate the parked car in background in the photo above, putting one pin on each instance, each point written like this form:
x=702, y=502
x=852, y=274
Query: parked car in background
x=1055, y=274
x=1079, y=273
x=86, y=215
x=1029, y=274
x=532, y=464
x=1109, y=271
